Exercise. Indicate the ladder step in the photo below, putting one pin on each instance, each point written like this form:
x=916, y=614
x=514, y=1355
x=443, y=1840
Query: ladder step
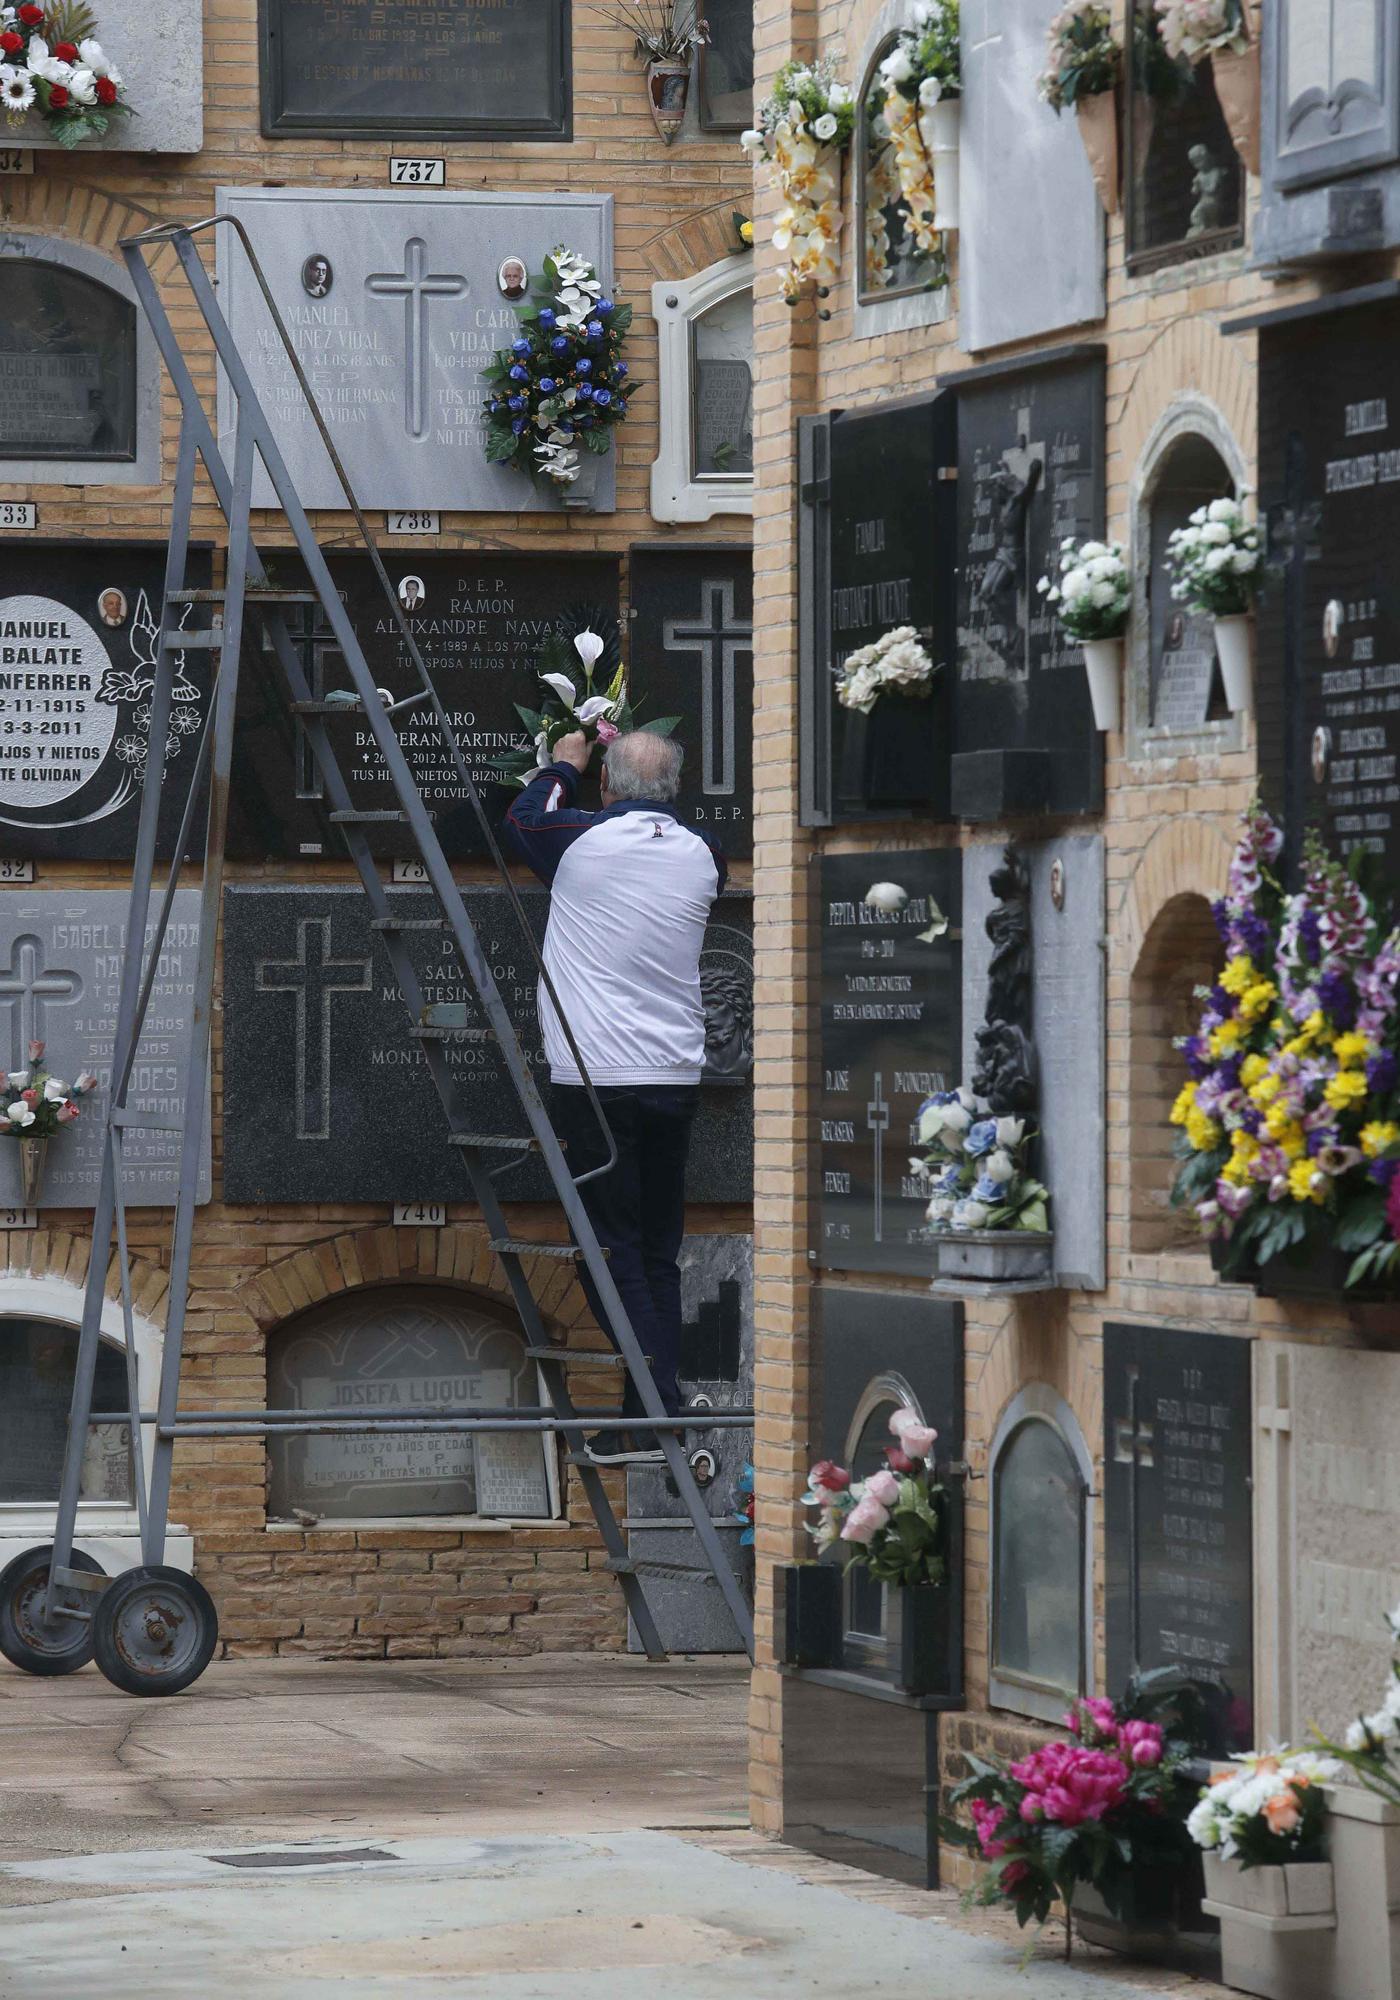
x=677, y=1572
x=596, y=1357
x=355, y=818
x=447, y=1013
x=408, y=924
x=327, y=707
x=494, y=1141
x=173, y=641
x=519, y=1246
x=450, y=1034
x=253, y=593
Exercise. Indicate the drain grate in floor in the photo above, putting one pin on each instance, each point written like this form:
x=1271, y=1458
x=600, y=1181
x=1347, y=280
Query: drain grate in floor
x=302, y=1857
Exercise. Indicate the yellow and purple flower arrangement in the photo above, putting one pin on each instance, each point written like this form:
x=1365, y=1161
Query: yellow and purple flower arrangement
x=1290, y=1138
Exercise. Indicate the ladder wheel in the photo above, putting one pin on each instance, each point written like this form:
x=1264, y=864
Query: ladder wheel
x=154, y=1630
x=28, y=1639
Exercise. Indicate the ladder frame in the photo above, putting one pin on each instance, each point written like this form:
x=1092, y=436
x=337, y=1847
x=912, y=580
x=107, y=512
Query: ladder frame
x=253, y=439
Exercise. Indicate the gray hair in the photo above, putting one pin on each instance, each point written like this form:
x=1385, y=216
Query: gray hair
x=641, y=765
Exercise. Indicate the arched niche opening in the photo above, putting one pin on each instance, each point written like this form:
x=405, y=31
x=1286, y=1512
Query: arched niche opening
x=1184, y=687
x=1041, y=1537
x=1180, y=952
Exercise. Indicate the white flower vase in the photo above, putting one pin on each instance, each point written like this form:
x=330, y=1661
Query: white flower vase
x=1103, y=661
x=941, y=125
x=1234, y=648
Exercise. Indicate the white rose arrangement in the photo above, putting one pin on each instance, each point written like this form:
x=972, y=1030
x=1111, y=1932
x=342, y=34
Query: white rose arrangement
x=923, y=68
x=895, y=661
x=1194, y=29
x=1215, y=560
x=52, y=63
x=802, y=129
x=1267, y=1808
x=1094, y=591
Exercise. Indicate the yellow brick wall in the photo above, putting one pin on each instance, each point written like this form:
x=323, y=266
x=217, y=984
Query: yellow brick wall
x=1167, y=823
x=406, y=1591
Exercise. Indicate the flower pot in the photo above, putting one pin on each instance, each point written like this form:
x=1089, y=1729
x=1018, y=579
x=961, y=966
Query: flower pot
x=1234, y=647
x=1155, y=1905
x=995, y=1257
x=920, y=1637
x=940, y=126
x=882, y=760
x=580, y=496
x=1103, y=662
x=668, y=89
x=1277, y=1927
x=1098, y=128
x=32, y=1154
x=808, y=1621
x=1237, y=89
x=1363, y=1835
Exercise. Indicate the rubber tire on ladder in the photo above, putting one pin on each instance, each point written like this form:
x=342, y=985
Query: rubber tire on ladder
x=154, y=1630
x=27, y=1639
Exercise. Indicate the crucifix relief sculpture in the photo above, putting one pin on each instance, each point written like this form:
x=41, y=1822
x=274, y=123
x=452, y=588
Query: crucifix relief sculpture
x=1005, y=1071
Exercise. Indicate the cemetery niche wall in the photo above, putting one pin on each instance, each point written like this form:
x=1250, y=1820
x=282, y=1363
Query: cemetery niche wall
x=479, y=620
x=690, y=643
x=1329, y=492
x=1179, y=1519
x=394, y=305
x=489, y=68
x=78, y=628
x=1030, y=462
x=890, y=1036
x=326, y=1097
x=875, y=540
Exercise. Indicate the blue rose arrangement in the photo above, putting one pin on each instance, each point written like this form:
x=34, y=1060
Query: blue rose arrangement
x=976, y=1166
x=561, y=386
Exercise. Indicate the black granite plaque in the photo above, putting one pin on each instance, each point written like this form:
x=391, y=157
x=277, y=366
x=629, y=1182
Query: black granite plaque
x=78, y=629
x=1178, y=1526
x=326, y=1096
x=892, y=515
x=478, y=620
x=1328, y=670
x=1030, y=473
x=351, y=66
x=692, y=656
x=891, y=1034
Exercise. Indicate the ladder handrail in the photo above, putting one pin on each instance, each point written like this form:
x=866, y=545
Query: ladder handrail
x=172, y=233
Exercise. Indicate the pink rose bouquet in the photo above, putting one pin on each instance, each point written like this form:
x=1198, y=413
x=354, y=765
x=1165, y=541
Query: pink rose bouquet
x=892, y=1521
x=1081, y=1810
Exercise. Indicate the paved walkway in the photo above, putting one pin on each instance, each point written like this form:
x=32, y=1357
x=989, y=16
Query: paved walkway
x=517, y=1829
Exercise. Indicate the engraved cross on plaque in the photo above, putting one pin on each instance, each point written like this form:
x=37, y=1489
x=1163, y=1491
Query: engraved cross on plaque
x=716, y=637
x=415, y=285
x=27, y=989
x=877, y=1120
x=314, y=978
x=1134, y=1439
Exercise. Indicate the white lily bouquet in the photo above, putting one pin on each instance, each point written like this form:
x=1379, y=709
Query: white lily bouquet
x=802, y=130
x=896, y=663
x=1215, y=560
x=594, y=699
x=976, y=1166
x=1094, y=591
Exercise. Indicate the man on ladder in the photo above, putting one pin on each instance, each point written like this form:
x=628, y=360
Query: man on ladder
x=631, y=891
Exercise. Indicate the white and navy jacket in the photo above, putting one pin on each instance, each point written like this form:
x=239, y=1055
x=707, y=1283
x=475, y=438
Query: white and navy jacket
x=631, y=894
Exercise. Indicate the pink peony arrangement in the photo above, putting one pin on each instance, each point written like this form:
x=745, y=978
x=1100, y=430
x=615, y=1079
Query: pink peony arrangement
x=891, y=1521
x=1081, y=1810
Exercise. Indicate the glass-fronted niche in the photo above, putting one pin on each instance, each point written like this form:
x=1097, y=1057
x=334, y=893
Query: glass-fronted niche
x=1184, y=181
x=704, y=461
x=726, y=66
x=893, y=262
x=384, y=1352
x=37, y=1358
x=67, y=365
x=1040, y=1473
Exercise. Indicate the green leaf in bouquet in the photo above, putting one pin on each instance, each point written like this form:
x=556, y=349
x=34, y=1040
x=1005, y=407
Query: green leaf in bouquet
x=1363, y=1221
x=597, y=441
x=621, y=318
x=664, y=725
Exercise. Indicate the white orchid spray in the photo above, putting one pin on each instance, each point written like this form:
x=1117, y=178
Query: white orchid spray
x=802, y=130
x=582, y=670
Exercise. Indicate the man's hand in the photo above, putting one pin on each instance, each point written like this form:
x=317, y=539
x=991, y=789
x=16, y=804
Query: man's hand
x=574, y=749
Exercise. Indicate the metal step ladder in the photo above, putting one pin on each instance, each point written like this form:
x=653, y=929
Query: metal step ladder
x=154, y=1629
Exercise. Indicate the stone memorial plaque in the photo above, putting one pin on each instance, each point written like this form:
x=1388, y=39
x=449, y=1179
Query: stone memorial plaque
x=327, y=1097
x=723, y=413
x=60, y=975
x=691, y=654
x=891, y=1035
x=485, y=67
x=479, y=623
x=386, y=1354
x=1183, y=671
x=78, y=630
x=1032, y=239
x=393, y=303
x=1178, y=1527
x=510, y=1475
x=1329, y=484
x=1329, y=1476
x=892, y=525
x=1030, y=473
x=1069, y=1030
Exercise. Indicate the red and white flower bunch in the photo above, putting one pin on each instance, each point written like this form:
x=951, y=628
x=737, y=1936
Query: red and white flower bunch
x=893, y=1521
x=34, y=1104
x=1084, y=1810
x=51, y=62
